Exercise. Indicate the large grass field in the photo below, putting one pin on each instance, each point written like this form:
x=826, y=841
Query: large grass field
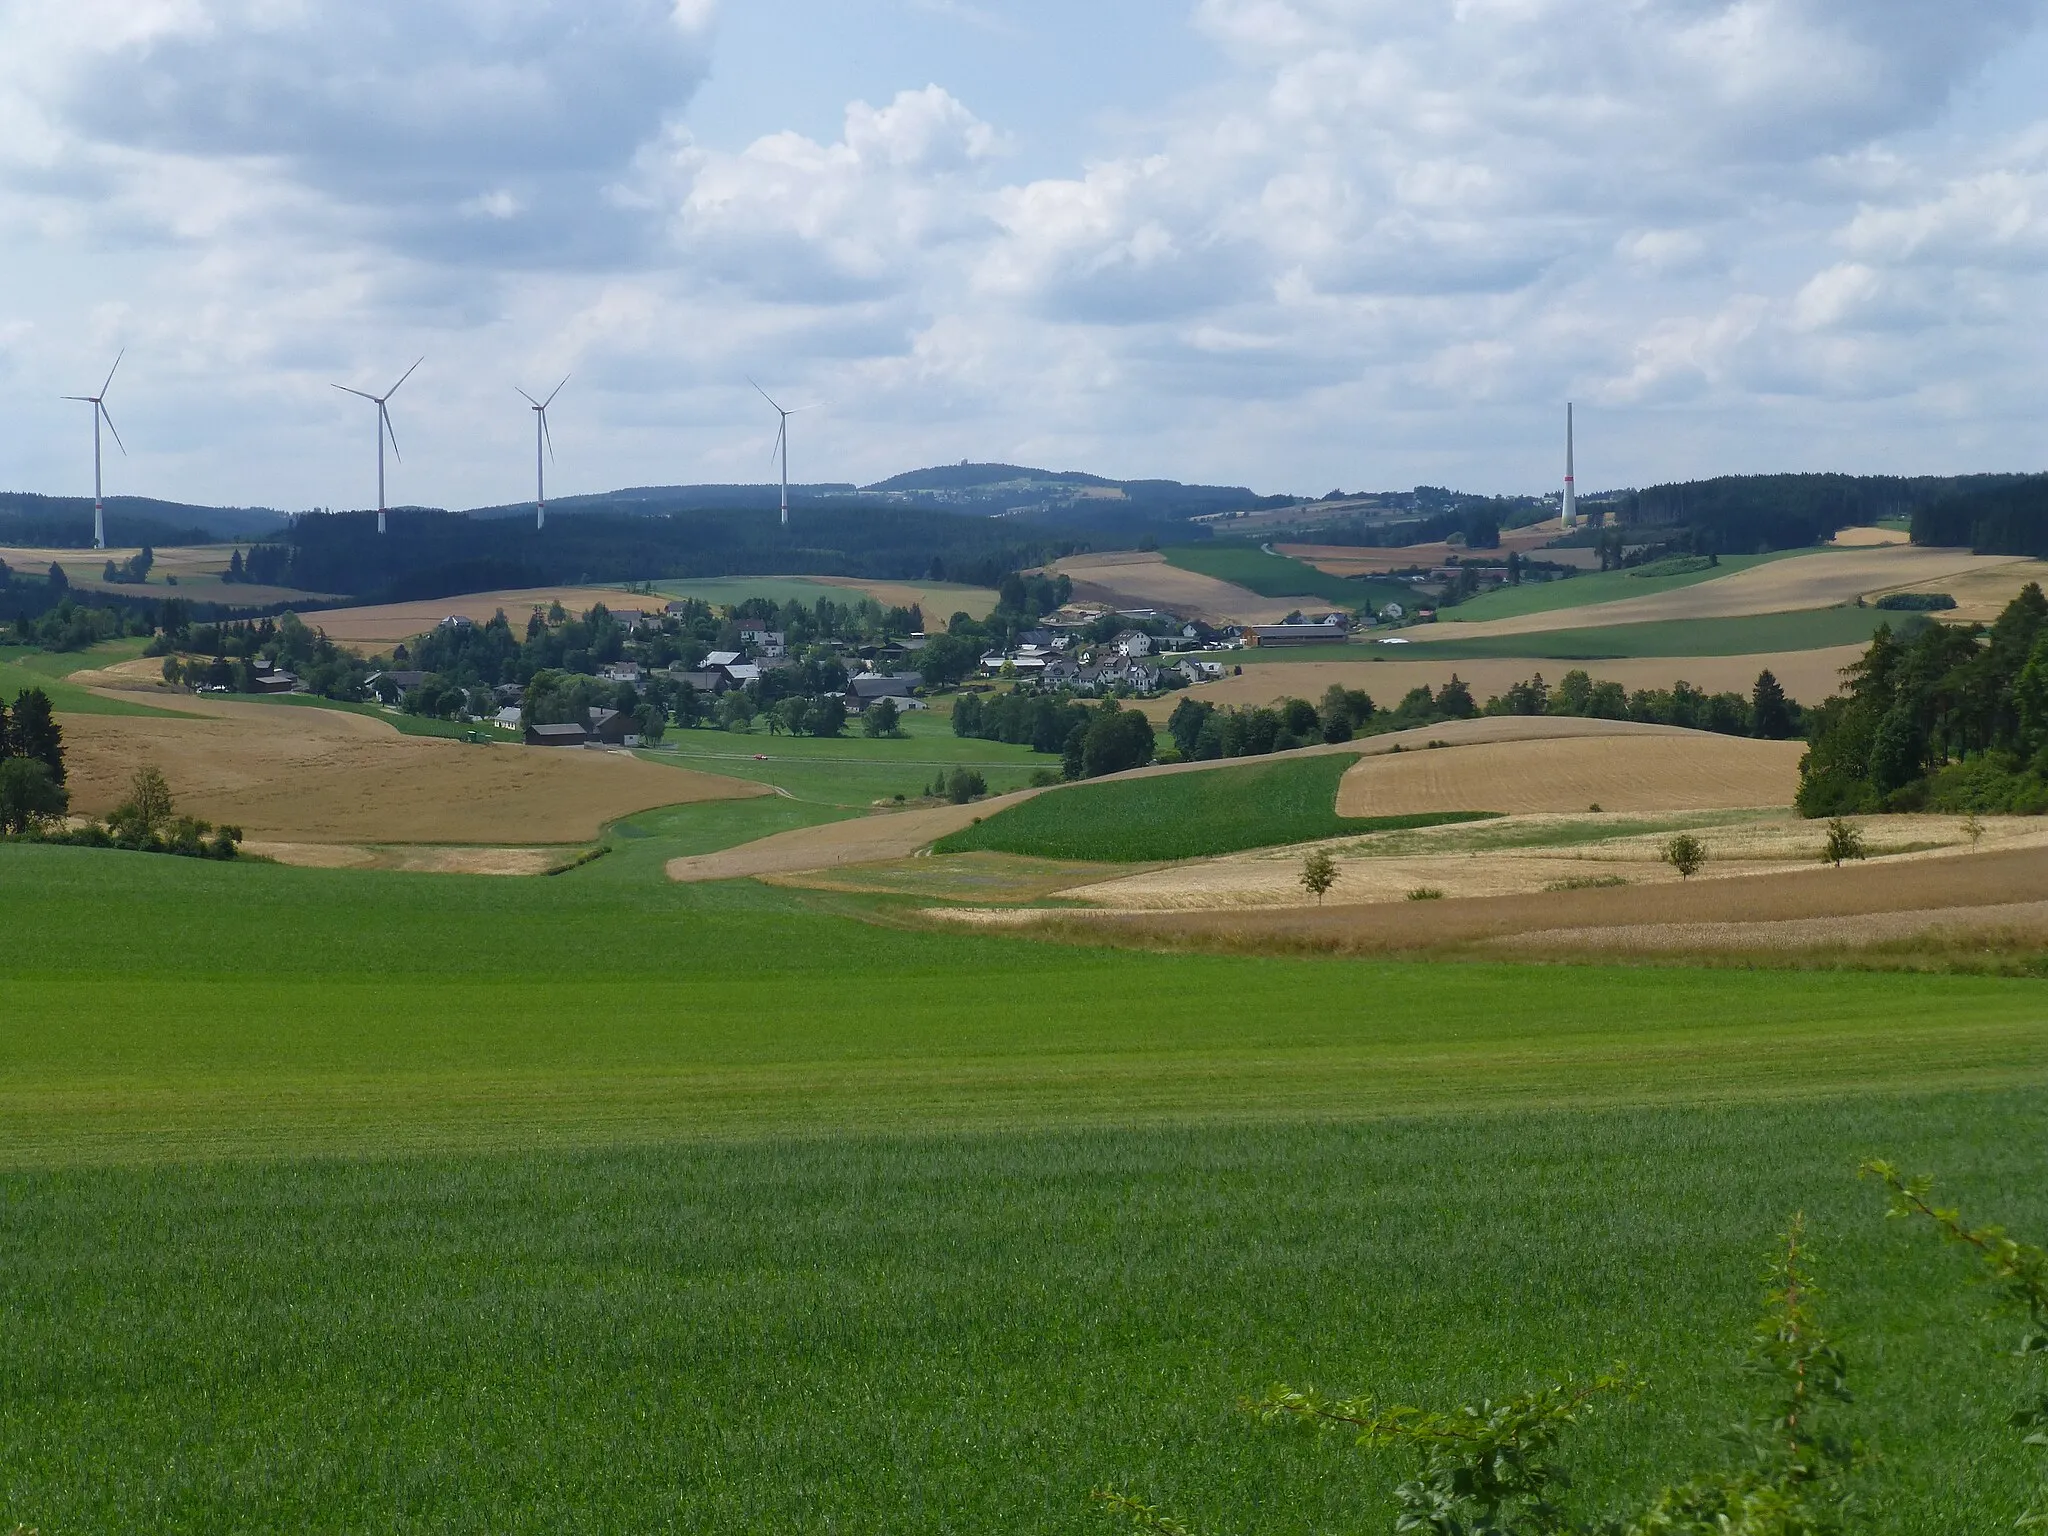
x=853, y=771
x=1597, y=587
x=369, y=1202
x=1182, y=815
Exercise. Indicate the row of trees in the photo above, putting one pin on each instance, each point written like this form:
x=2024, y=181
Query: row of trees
x=1203, y=731
x=1939, y=717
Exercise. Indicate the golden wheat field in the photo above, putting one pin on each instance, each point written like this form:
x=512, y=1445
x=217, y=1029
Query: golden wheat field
x=197, y=570
x=384, y=625
x=1685, y=770
x=289, y=774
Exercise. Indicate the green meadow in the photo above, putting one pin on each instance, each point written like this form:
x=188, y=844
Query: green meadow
x=358, y=1201
x=853, y=771
x=1183, y=815
x=1278, y=576
x=1808, y=629
x=22, y=667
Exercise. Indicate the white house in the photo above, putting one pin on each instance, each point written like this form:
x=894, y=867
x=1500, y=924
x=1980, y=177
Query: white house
x=1132, y=644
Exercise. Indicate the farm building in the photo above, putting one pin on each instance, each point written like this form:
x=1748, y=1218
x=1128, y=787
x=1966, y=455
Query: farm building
x=556, y=735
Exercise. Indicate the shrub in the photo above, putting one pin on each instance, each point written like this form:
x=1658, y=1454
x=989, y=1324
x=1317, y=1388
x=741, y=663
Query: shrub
x=1844, y=842
x=1686, y=854
x=1318, y=873
x=1425, y=893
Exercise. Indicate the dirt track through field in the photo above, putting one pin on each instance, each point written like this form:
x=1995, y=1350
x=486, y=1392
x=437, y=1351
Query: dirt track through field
x=1808, y=676
x=1819, y=580
x=295, y=774
x=1690, y=771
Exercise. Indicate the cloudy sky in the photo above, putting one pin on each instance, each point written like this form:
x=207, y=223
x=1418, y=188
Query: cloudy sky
x=1296, y=244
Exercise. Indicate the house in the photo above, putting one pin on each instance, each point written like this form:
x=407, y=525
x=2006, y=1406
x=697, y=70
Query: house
x=556, y=735
x=630, y=619
x=508, y=693
x=764, y=638
x=854, y=704
x=624, y=672
x=702, y=682
x=718, y=660
x=1393, y=611
x=276, y=682
x=611, y=728
x=1034, y=640
x=741, y=673
x=508, y=717
x=392, y=686
x=878, y=685
x=1198, y=671
x=678, y=607
x=458, y=621
x=1132, y=643
x=1318, y=632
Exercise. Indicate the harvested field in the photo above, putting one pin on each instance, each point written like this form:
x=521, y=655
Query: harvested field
x=1808, y=676
x=1945, y=885
x=939, y=600
x=1869, y=538
x=385, y=625
x=1134, y=579
x=1526, y=854
x=2019, y=922
x=1373, y=560
x=1823, y=579
x=1688, y=770
x=327, y=776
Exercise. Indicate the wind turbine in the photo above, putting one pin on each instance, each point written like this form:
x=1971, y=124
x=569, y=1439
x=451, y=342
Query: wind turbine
x=383, y=431
x=98, y=403
x=541, y=435
x=781, y=443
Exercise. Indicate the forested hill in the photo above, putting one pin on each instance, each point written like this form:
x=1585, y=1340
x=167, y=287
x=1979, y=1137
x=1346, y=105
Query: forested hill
x=65, y=522
x=436, y=554
x=1745, y=514
x=2007, y=518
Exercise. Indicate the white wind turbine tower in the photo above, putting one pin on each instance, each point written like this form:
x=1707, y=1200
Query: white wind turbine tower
x=541, y=437
x=98, y=403
x=1570, y=520
x=383, y=431
x=781, y=443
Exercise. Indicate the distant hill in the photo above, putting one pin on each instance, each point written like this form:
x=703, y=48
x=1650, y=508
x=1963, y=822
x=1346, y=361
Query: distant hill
x=964, y=476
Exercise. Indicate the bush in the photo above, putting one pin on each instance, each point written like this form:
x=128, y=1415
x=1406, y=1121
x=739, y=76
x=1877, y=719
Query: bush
x=1915, y=602
x=1686, y=854
x=964, y=784
x=30, y=797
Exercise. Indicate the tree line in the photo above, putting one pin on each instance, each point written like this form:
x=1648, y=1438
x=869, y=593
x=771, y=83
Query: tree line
x=1938, y=717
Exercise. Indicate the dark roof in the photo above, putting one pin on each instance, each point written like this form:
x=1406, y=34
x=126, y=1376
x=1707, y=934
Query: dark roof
x=881, y=687
x=548, y=733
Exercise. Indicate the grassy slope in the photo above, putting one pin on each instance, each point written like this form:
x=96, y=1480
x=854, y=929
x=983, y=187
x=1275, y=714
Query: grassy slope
x=23, y=668
x=1595, y=587
x=1179, y=815
x=1175, y=1179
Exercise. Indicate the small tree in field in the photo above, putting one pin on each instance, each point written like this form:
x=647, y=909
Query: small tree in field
x=882, y=719
x=1318, y=873
x=1844, y=842
x=1973, y=829
x=1686, y=854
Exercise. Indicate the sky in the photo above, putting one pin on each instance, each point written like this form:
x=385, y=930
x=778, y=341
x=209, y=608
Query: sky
x=1292, y=244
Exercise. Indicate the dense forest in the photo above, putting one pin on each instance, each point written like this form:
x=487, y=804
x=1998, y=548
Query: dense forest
x=434, y=554
x=1939, y=717
x=1749, y=514
x=2006, y=518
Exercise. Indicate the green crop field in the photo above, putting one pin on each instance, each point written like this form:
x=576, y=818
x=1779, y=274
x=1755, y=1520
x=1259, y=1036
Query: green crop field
x=352, y=1201
x=1182, y=815
x=1754, y=634
x=1597, y=587
x=1277, y=576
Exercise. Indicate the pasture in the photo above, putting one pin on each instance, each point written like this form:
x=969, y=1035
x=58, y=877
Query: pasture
x=1277, y=576
x=939, y=600
x=457, y=1205
x=1596, y=587
x=195, y=572
x=1761, y=634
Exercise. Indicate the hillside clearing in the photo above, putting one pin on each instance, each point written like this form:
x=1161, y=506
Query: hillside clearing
x=1144, y=580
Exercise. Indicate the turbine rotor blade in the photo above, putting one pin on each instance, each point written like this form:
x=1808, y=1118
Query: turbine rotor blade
x=403, y=377
x=100, y=406
x=88, y=399
x=522, y=394
x=385, y=416
x=358, y=394
x=545, y=435
x=766, y=396
x=110, y=372
x=556, y=391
